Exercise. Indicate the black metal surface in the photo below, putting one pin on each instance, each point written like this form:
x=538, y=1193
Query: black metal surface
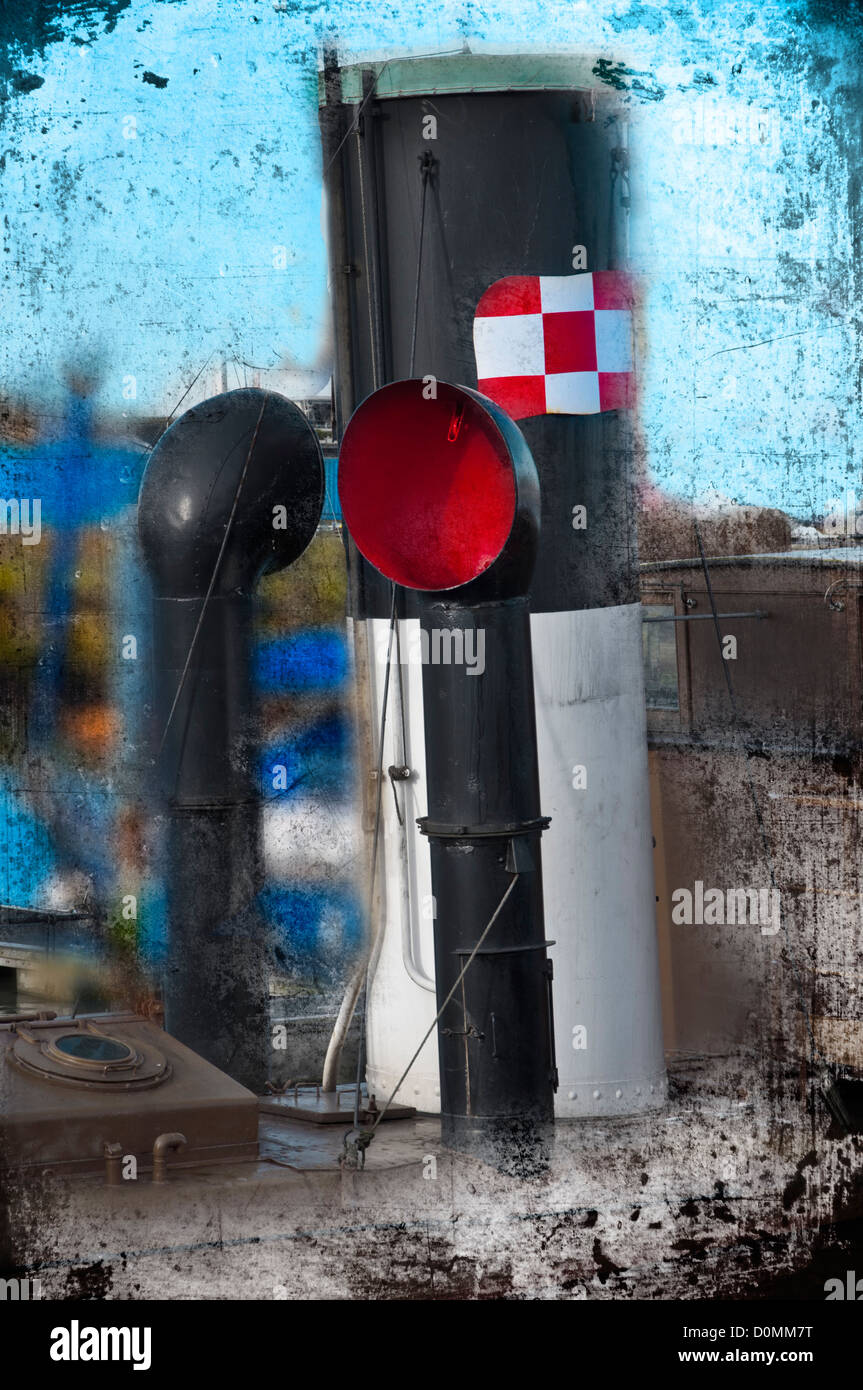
x=206, y=520
x=518, y=179
x=844, y=1097
x=445, y=830
x=496, y=1063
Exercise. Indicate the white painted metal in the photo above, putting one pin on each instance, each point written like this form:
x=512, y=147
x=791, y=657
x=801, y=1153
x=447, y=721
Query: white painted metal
x=402, y=1000
x=598, y=860
x=597, y=869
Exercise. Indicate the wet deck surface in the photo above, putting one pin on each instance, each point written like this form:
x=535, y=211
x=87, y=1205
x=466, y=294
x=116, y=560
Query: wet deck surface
x=310, y=1147
x=727, y=1193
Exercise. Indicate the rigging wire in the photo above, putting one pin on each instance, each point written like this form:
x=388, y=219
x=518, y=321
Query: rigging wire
x=186, y=392
x=370, y=264
x=375, y=842
x=213, y=577
x=426, y=166
x=404, y=727
x=486, y=929
x=441, y=53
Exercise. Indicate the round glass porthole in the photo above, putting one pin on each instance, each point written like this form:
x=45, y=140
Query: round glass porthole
x=85, y=1056
x=92, y=1047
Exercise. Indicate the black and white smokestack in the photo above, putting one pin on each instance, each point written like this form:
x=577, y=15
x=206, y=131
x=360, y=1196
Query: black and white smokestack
x=233, y=490
x=525, y=171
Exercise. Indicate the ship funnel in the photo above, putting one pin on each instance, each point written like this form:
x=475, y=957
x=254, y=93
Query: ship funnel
x=439, y=491
x=233, y=490
x=488, y=244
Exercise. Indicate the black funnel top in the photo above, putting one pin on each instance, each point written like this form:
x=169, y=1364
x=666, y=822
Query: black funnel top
x=190, y=485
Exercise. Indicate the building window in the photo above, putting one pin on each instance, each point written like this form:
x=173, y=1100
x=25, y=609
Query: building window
x=659, y=646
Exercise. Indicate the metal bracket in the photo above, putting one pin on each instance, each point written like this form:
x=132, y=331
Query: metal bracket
x=705, y=617
x=836, y=604
x=519, y=859
x=398, y=774
x=442, y=830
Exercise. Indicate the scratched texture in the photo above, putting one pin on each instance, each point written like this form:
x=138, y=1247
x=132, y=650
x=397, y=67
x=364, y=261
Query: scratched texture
x=162, y=239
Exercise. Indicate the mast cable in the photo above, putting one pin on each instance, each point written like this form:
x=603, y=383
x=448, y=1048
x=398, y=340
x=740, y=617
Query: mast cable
x=214, y=576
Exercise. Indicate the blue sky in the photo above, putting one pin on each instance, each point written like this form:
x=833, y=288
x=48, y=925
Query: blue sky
x=162, y=193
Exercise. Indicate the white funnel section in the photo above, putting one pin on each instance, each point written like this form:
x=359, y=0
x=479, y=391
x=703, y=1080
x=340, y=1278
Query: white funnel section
x=598, y=860
x=597, y=865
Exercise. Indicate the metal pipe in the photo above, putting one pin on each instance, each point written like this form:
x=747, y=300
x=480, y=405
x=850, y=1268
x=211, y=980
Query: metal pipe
x=7, y=1020
x=696, y=617
x=461, y=529
x=332, y=121
x=233, y=490
x=113, y=1164
x=409, y=905
x=484, y=824
x=365, y=967
x=409, y=912
x=335, y=1047
x=165, y=1144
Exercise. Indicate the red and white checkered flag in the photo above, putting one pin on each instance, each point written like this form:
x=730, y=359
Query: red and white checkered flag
x=556, y=344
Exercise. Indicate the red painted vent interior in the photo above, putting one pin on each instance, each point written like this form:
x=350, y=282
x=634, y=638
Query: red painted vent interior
x=426, y=486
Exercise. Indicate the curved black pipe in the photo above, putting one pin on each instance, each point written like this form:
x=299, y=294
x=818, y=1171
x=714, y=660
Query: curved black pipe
x=234, y=489
x=496, y=1048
